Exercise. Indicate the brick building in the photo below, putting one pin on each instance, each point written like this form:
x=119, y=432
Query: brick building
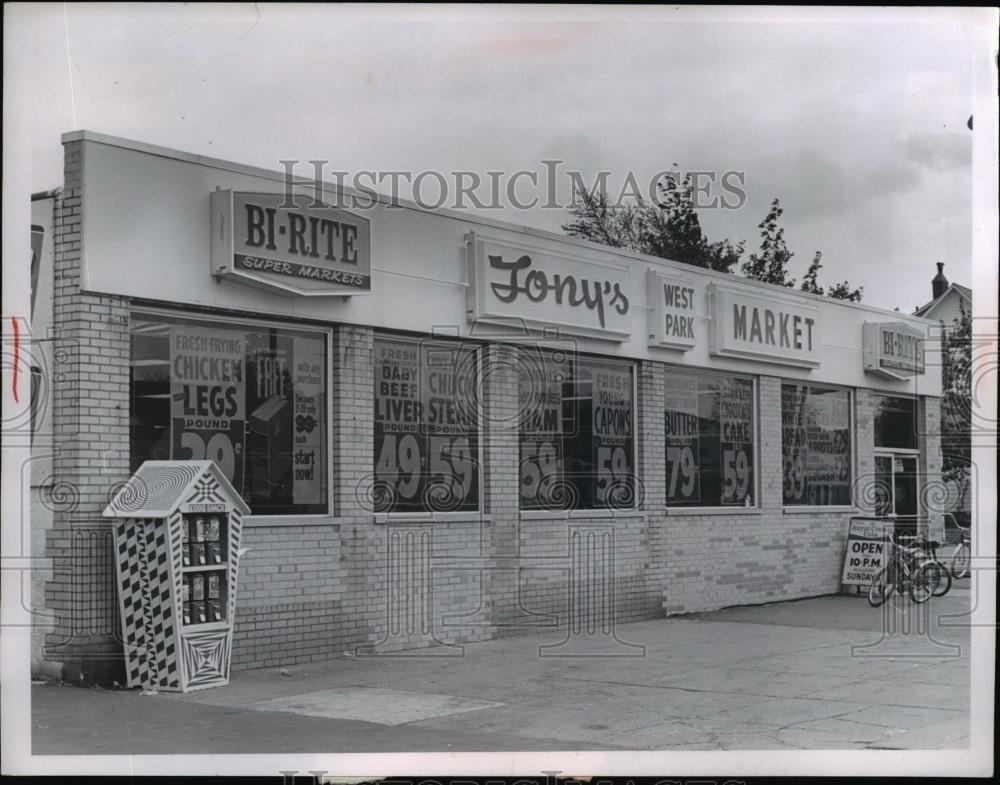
x=448, y=428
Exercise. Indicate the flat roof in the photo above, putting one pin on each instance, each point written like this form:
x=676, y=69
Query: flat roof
x=529, y=231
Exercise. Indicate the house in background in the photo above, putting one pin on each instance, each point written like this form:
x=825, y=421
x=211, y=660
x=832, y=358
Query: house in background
x=949, y=299
x=945, y=305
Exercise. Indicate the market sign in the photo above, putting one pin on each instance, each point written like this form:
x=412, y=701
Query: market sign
x=671, y=314
x=766, y=328
x=290, y=243
x=893, y=350
x=867, y=551
x=526, y=288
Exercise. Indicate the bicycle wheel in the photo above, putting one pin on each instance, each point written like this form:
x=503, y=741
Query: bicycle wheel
x=924, y=581
x=880, y=589
x=961, y=560
x=944, y=580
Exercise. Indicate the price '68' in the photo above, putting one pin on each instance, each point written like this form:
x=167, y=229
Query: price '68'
x=541, y=468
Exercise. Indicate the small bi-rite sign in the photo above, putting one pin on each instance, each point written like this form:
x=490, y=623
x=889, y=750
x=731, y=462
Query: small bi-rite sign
x=867, y=551
x=893, y=350
x=290, y=243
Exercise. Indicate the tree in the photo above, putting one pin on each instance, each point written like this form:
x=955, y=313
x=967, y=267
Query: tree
x=956, y=402
x=840, y=291
x=595, y=219
x=843, y=291
x=771, y=264
x=670, y=228
x=809, y=283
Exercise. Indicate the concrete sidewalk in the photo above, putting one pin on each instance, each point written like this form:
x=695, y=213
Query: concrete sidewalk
x=810, y=674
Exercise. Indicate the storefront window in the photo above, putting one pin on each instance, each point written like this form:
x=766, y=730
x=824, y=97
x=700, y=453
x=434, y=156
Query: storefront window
x=709, y=440
x=815, y=445
x=426, y=425
x=577, y=432
x=252, y=398
x=895, y=422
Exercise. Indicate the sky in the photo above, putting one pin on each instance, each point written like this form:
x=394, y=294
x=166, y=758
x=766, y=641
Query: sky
x=856, y=120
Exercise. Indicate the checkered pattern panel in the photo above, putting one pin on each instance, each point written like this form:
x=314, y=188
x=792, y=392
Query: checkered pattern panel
x=149, y=618
x=175, y=525
x=205, y=657
x=235, y=530
x=130, y=545
x=161, y=618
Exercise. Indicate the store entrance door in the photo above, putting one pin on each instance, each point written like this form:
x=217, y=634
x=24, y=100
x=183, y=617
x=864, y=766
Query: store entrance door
x=897, y=484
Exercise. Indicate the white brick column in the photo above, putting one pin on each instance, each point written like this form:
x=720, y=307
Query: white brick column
x=91, y=430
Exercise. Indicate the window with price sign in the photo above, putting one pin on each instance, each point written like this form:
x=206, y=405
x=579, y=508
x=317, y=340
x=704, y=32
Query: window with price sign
x=252, y=398
x=577, y=432
x=815, y=445
x=426, y=425
x=709, y=429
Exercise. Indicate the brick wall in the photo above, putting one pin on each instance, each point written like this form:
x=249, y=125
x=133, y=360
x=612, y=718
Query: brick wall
x=746, y=556
x=308, y=590
x=90, y=424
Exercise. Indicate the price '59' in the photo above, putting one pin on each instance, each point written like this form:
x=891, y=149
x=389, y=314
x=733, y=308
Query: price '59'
x=735, y=475
x=612, y=470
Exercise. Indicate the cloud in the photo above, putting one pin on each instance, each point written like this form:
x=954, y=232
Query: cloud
x=940, y=152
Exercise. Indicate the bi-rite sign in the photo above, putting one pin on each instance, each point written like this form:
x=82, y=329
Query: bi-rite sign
x=893, y=350
x=290, y=243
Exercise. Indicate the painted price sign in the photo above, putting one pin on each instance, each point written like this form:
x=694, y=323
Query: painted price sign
x=207, y=398
x=426, y=427
x=612, y=433
x=681, y=426
x=540, y=396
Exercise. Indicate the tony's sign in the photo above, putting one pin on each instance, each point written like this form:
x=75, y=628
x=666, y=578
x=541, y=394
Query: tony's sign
x=671, y=314
x=766, y=328
x=528, y=288
x=290, y=243
x=893, y=350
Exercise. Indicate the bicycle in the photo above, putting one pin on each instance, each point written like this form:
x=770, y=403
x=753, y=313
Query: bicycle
x=907, y=571
x=961, y=558
x=928, y=550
